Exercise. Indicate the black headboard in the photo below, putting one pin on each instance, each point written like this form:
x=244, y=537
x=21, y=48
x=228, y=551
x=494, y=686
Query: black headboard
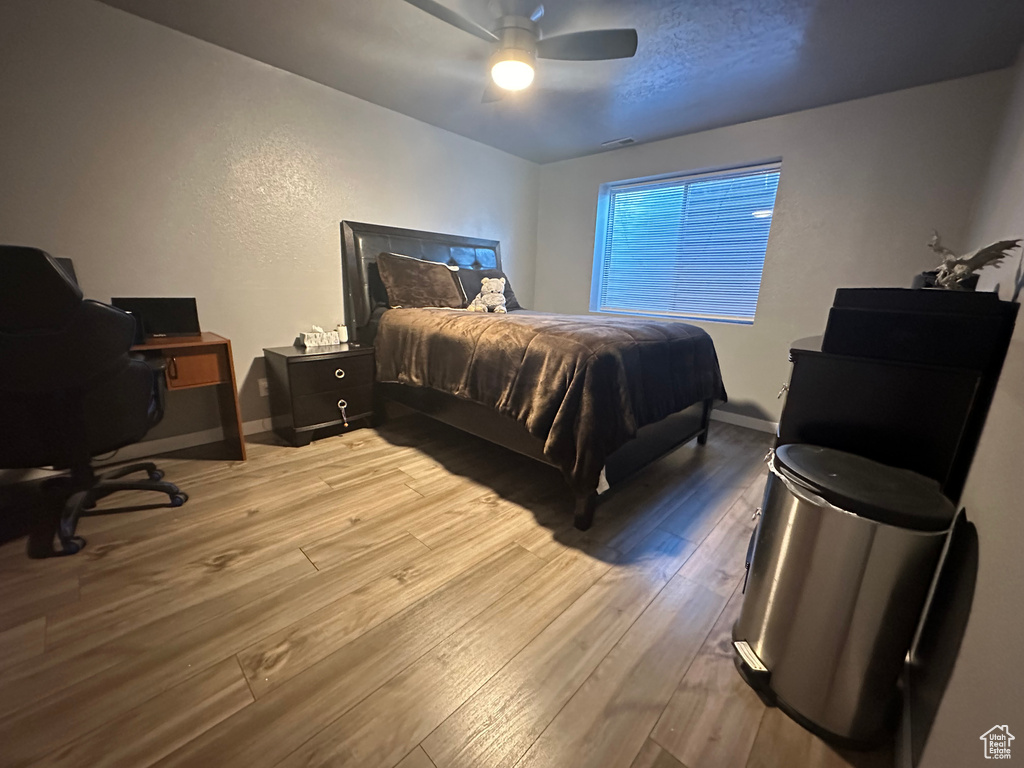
x=360, y=246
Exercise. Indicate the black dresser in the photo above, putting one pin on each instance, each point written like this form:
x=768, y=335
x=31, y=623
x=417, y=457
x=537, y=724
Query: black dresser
x=903, y=377
x=319, y=391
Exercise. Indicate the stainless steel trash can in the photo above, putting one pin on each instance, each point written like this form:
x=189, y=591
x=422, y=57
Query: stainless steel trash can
x=843, y=557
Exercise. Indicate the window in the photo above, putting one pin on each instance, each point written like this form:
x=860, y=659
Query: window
x=684, y=246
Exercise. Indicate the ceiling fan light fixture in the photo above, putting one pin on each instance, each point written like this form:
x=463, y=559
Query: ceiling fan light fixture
x=520, y=45
x=512, y=69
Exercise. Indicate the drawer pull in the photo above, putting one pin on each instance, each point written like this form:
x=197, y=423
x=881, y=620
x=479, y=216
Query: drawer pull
x=784, y=390
x=339, y=374
x=342, y=405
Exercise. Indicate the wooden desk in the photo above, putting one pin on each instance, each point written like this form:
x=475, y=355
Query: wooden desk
x=203, y=361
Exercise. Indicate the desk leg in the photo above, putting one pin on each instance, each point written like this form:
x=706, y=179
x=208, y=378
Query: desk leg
x=231, y=413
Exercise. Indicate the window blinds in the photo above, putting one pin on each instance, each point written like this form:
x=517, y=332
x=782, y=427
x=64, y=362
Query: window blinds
x=686, y=246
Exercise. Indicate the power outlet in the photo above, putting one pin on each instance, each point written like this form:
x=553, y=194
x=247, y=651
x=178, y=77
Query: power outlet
x=264, y=391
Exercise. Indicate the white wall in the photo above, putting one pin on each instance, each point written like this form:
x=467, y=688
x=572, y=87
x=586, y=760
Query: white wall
x=863, y=184
x=987, y=686
x=164, y=165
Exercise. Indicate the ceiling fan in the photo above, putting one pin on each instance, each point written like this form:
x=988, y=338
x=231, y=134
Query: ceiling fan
x=520, y=45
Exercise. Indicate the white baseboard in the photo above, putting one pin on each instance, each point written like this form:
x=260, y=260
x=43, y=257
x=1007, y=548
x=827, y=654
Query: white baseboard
x=738, y=419
x=10, y=476
x=141, y=450
x=178, y=442
x=257, y=426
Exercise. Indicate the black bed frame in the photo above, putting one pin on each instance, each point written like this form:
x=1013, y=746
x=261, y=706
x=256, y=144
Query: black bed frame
x=365, y=299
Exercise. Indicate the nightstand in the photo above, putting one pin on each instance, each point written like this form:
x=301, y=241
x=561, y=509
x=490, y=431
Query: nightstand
x=318, y=390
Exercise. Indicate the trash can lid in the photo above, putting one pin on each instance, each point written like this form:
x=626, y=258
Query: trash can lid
x=875, y=491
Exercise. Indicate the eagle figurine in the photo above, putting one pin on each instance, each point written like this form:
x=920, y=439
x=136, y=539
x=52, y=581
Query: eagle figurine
x=954, y=269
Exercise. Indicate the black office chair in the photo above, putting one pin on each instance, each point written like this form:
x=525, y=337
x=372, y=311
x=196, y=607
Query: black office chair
x=70, y=390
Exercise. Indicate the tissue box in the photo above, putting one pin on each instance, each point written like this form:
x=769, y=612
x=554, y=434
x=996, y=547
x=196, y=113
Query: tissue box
x=324, y=339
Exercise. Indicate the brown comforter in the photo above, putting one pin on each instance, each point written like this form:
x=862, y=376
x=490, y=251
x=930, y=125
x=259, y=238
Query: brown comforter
x=581, y=384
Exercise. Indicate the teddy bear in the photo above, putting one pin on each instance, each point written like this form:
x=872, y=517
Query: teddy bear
x=491, y=297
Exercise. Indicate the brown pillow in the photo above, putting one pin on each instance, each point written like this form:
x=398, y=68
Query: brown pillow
x=417, y=283
x=472, y=279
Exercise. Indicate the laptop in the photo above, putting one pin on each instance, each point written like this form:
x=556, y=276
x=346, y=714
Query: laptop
x=161, y=317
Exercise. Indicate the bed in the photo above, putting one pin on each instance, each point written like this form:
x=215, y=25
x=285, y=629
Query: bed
x=598, y=398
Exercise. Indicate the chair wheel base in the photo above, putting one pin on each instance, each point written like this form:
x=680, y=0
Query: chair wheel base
x=78, y=504
x=71, y=546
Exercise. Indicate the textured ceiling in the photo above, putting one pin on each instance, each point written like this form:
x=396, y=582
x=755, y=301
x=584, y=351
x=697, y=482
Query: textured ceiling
x=700, y=64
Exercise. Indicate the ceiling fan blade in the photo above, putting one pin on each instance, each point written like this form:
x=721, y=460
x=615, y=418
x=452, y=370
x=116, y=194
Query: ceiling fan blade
x=492, y=92
x=589, y=46
x=449, y=16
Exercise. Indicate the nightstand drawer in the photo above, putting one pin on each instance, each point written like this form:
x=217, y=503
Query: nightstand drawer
x=323, y=407
x=311, y=376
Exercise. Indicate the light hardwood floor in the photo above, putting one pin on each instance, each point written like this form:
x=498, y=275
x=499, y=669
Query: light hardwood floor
x=408, y=597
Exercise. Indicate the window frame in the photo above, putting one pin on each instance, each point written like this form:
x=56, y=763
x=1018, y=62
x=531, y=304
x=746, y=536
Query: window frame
x=601, y=230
